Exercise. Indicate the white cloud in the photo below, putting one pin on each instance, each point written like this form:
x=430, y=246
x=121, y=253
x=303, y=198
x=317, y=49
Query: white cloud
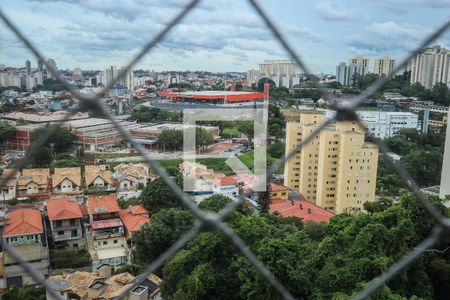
x=334, y=11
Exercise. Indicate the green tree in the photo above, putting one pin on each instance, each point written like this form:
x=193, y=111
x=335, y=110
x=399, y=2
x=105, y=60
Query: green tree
x=157, y=195
x=6, y=130
x=42, y=158
x=62, y=139
x=424, y=166
x=171, y=140
x=264, y=199
x=441, y=94
x=166, y=228
x=24, y=293
x=202, y=139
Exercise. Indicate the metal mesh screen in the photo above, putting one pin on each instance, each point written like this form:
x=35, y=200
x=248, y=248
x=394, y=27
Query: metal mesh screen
x=209, y=221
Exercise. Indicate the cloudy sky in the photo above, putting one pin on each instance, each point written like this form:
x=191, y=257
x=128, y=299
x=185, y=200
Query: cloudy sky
x=218, y=35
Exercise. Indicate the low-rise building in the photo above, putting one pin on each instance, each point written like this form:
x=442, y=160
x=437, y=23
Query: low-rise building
x=129, y=175
x=24, y=230
x=278, y=191
x=302, y=209
x=33, y=181
x=106, y=237
x=8, y=179
x=67, y=180
x=65, y=216
x=134, y=218
x=98, y=176
x=101, y=285
x=226, y=186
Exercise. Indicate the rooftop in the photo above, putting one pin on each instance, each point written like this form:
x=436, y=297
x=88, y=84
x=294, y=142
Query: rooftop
x=23, y=221
x=134, y=217
x=302, y=209
x=102, y=204
x=63, y=208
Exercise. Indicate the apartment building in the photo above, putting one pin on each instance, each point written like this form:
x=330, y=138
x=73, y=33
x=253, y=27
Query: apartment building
x=431, y=66
x=106, y=237
x=24, y=230
x=65, y=216
x=337, y=169
x=278, y=191
x=384, y=124
x=360, y=60
x=384, y=66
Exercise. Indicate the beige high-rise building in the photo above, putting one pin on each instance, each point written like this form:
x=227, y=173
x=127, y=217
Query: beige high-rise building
x=359, y=60
x=384, y=66
x=337, y=169
x=431, y=66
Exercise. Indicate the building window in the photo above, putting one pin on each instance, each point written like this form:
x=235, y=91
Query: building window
x=61, y=232
x=58, y=223
x=74, y=233
x=72, y=222
x=115, y=241
x=105, y=242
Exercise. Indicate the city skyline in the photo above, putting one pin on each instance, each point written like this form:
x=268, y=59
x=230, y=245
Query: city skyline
x=96, y=34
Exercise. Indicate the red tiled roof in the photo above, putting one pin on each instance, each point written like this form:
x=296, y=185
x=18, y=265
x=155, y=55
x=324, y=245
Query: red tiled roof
x=133, y=222
x=102, y=204
x=105, y=224
x=226, y=180
x=303, y=209
x=23, y=221
x=138, y=210
x=277, y=187
x=62, y=208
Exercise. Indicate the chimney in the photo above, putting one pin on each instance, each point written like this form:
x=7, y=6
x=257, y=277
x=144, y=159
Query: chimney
x=266, y=91
x=301, y=206
x=292, y=201
x=309, y=210
x=140, y=292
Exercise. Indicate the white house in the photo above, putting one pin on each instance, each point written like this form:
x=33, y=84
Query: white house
x=226, y=186
x=66, y=180
x=129, y=176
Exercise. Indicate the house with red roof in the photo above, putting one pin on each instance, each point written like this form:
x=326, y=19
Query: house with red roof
x=134, y=218
x=24, y=230
x=302, y=209
x=106, y=235
x=278, y=191
x=65, y=216
x=226, y=186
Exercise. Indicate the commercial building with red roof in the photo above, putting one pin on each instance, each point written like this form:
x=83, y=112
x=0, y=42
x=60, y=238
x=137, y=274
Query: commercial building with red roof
x=216, y=97
x=24, y=230
x=134, y=217
x=302, y=209
x=65, y=216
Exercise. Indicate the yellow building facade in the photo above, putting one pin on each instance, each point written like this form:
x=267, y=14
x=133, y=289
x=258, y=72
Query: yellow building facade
x=336, y=169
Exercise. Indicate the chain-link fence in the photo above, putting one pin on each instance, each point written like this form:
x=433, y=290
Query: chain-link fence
x=209, y=221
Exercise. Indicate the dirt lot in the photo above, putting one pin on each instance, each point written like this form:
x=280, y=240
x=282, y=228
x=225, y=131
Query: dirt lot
x=217, y=148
